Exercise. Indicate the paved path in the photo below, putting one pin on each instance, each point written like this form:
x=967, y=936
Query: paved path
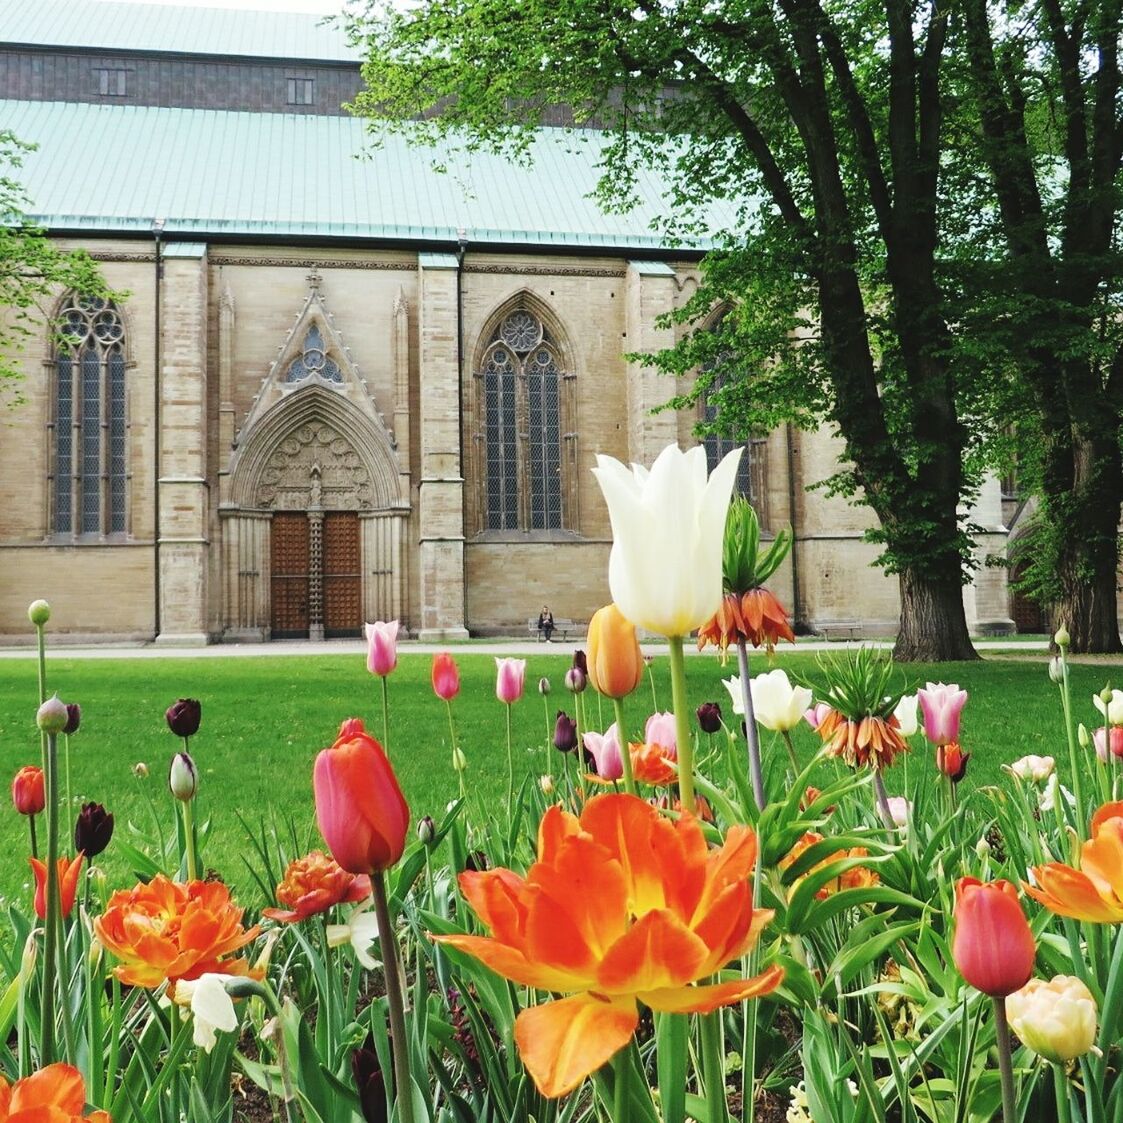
x=498, y=646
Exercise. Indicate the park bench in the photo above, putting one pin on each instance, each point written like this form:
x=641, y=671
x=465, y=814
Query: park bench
x=842, y=630
x=562, y=627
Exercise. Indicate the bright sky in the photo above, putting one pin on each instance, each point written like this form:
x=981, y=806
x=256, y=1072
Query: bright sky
x=319, y=7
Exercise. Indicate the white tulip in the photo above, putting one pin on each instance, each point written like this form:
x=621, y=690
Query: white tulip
x=906, y=716
x=777, y=704
x=211, y=1007
x=899, y=810
x=1112, y=710
x=668, y=527
x=1034, y=768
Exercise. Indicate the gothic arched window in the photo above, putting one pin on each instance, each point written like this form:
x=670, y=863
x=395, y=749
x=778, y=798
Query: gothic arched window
x=313, y=359
x=718, y=442
x=89, y=461
x=522, y=435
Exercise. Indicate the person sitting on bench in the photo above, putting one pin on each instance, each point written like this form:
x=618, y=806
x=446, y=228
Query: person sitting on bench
x=546, y=622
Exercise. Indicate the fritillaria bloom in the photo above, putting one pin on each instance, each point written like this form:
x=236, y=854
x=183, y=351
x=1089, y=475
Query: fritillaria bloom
x=622, y=906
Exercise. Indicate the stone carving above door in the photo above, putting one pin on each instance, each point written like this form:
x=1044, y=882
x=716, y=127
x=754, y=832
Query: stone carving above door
x=344, y=482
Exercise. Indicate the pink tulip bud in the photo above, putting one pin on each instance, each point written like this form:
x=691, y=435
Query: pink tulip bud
x=814, y=716
x=446, y=677
x=941, y=705
x=382, y=647
x=605, y=751
x=510, y=676
x=660, y=730
x=1101, y=741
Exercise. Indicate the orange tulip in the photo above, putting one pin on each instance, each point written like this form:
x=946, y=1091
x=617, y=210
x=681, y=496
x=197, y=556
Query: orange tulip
x=649, y=764
x=28, y=790
x=360, y=809
x=614, y=658
x=756, y=617
x=55, y=1094
x=1094, y=891
x=993, y=946
x=313, y=884
x=68, y=872
x=951, y=760
x=168, y=930
x=623, y=905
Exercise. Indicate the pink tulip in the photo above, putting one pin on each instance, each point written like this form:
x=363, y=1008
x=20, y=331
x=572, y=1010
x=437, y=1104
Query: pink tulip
x=382, y=647
x=1101, y=742
x=446, y=677
x=814, y=716
x=941, y=704
x=510, y=676
x=606, y=753
x=660, y=730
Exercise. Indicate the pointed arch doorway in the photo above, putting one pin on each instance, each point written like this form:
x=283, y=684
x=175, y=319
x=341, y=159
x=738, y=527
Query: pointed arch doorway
x=313, y=540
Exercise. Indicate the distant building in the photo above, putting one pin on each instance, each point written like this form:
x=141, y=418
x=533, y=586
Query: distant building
x=339, y=388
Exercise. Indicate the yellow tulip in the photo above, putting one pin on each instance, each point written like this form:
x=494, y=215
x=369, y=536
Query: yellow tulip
x=1056, y=1019
x=614, y=658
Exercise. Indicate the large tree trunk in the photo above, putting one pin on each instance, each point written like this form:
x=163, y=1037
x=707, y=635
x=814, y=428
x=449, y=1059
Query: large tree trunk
x=933, y=624
x=1085, y=522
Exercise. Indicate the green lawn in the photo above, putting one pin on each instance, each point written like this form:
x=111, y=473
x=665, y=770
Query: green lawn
x=265, y=718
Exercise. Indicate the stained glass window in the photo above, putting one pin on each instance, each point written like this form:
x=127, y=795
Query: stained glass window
x=89, y=462
x=314, y=360
x=521, y=435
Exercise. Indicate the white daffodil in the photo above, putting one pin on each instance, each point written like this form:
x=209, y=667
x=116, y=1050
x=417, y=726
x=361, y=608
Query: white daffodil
x=906, y=715
x=668, y=527
x=360, y=931
x=211, y=1007
x=1113, y=710
x=777, y=704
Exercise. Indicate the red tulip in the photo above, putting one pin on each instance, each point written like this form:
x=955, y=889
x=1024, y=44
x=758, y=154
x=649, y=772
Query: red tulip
x=28, y=792
x=993, y=947
x=951, y=760
x=68, y=871
x=360, y=809
x=446, y=678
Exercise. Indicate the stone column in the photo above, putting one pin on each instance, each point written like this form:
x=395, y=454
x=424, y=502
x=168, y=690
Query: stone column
x=181, y=458
x=441, y=496
x=649, y=293
x=986, y=600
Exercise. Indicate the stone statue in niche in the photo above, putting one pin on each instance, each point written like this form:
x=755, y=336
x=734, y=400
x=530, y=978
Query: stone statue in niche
x=315, y=467
x=316, y=490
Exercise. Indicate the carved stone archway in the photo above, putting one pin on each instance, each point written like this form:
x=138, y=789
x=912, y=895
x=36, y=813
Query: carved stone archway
x=314, y=454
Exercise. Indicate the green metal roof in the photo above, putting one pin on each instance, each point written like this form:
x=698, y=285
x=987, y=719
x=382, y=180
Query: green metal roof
x=115, y=168
x=113, y=25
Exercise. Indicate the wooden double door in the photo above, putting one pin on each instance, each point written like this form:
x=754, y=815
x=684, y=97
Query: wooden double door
x=316, y=574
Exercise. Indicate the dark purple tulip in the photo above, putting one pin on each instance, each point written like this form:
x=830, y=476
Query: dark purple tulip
x=370, y=1084
x=477, y=862
x=581, y=663
x=93, y=830
x=709, y=717
x=184, y=716
x=565, y=733
x=73, y=718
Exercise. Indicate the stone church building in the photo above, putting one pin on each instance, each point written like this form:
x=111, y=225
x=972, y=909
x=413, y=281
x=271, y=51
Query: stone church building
x=339, y=385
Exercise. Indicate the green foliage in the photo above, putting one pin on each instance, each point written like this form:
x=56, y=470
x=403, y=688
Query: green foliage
x=32, y=269
x=860, y=683
x=744, y=566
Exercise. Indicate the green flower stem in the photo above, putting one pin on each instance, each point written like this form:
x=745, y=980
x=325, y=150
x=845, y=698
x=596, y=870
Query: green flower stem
x=385, y=714
x=452, y=746
x=787, y=735
x=34, y=841
x=95, y=995
x=189, y=839
x=510, y=762
x=752, y=734
x=682, y=724
x=620, y=1068
x=625, y=750
x=654, y=698
x=54, y=909
x=882, y=797
x=1060, y=1086
x=403, y=1083
x=1073, y=757
x=1005, y=1061
x=41, y=650
x=713, y=1066
x=114, y=1043
x=66, y=760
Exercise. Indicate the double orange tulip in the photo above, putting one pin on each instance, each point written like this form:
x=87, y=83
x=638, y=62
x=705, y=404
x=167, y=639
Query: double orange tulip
x=1094, y=891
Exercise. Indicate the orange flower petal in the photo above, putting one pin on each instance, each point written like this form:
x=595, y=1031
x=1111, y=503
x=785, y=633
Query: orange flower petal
x=563, y=1042
x=1106, y=812
x=57, y=1086
x=1101, y=858
x=1068, y=892
x=512, y=964
x=702, y=1000
x=497, y=897
x=657, y=951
